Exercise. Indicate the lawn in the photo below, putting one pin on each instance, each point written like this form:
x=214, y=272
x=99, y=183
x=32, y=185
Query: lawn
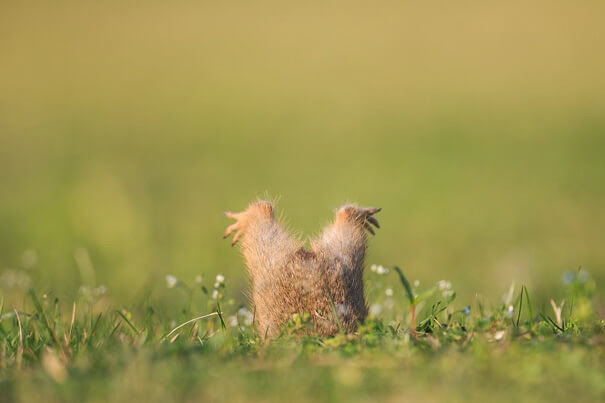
x=502, y=351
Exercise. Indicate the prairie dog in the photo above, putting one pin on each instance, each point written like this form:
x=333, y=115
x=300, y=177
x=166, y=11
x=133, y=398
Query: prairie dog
x=325, y=281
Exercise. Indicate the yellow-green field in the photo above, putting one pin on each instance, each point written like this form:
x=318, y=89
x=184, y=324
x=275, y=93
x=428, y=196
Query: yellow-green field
x=127, y=128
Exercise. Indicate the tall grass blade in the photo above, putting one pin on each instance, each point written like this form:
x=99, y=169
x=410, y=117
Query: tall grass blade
x=548, y=320
x=531, y=313
x=406, y=284
x=133, y=327
x=340, y=328
x=220, y=315
x=44, y=319
x=188, y=322
x=520, y=307
x=95, y=324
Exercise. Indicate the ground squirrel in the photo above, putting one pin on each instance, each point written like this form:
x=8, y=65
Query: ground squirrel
x=325, y=281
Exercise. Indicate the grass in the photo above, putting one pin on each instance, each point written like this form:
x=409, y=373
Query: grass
x=509, y=350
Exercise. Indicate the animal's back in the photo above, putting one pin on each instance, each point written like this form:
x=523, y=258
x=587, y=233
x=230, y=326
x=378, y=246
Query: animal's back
x=326, y=281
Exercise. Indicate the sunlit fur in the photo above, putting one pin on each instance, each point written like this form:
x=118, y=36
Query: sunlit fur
x=325, y=281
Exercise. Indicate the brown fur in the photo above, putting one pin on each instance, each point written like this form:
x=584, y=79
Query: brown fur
x=288, y=279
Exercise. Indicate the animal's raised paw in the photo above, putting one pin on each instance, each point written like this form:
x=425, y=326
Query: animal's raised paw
x=257, y=210
x=236, y=227
x=362, y=215
x=367, y=214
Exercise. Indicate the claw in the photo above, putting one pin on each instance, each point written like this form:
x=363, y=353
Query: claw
x=373, y=220
x=373, y=210
x=236, y=227
x=236, y=238
x=369, y=228
x=230, y=230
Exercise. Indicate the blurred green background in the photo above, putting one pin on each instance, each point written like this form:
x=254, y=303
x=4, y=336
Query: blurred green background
x=127, y=128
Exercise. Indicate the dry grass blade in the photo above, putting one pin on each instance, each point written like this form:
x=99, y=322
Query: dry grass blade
x=19, y=358
x=71, y=325
x=557, y=310
x=188, y=322
x=173, y=339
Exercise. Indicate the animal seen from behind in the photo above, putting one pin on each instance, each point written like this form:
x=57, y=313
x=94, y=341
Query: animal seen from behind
x=325, y=281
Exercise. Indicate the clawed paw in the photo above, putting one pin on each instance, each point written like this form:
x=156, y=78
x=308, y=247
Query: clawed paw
x=367, y=214
x=363, y=215
x=260, y=209
x=235, y=227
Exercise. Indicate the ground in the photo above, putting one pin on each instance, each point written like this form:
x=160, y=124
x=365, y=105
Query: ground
x=511, y=351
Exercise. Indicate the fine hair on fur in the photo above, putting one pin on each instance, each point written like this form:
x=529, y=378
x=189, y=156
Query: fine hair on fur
x=326, y=280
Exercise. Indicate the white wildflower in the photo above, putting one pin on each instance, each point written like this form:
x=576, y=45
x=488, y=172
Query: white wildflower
x=499, y=335
x=15, y=279
x=416, y=283
x=510, y=310
x=246, y=315
x=375, y=309
x=217, y=284
x=171, y=281
x=198, y=279
x=379, y=269
x=215, y=294
x=382, y=270
x=101, y=290
x=583, y=276
x=447, y=293
x=443, y=285
x=233, y=322
x=85, y=291
x=389, y=292
x=220, y=278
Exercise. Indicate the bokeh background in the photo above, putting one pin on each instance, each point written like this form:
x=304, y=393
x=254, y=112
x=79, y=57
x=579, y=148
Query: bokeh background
x=127, y=128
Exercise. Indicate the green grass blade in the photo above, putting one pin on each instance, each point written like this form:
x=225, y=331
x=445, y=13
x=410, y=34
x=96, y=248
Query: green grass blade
x=95, y=324
x=531, y=313
x=220, y=315
x=340, y=328
x=406, y=285
x=133, y=327
x=520, y=307
x=548, y=320
x=428, y=294
x=114, y=330
x=44, y=319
